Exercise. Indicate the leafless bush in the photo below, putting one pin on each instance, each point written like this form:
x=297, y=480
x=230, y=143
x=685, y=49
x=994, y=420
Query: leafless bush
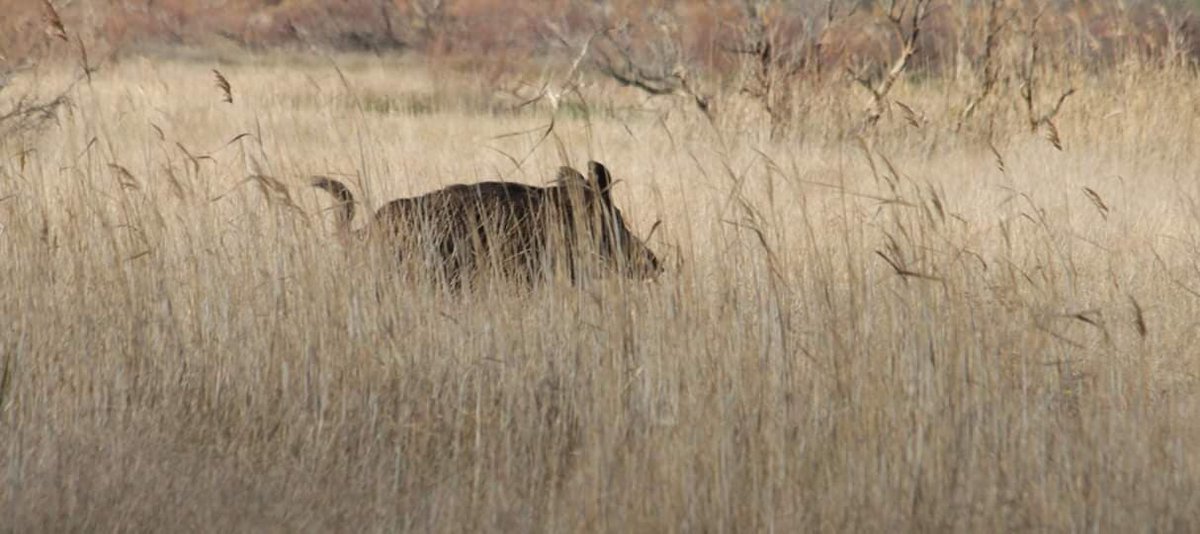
x=1028, y=76
x=653, y=61
x=776, y=48
x=997, y=21
x=905, y=19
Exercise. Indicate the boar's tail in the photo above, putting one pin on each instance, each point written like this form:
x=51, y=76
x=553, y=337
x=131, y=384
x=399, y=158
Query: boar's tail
x=345, y=207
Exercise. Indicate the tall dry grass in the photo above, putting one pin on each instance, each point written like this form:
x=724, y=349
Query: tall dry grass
x=913, y=330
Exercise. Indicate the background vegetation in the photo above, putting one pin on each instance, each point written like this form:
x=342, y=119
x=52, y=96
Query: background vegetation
x=931, y=266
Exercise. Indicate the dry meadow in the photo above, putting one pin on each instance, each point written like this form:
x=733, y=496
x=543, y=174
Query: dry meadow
x=910, y=326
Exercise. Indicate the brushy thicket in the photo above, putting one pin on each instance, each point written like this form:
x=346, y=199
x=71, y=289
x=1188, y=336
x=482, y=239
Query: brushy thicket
x=961, y=300
x=503, y=29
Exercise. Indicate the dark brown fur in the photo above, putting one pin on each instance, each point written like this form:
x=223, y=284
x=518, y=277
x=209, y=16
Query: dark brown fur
x=513, y=229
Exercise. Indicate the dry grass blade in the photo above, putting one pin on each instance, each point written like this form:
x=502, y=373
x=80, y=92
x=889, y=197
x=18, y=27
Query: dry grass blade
x=84, y=64
x=1060, y=337
x=1052, y=135
x=54, y=23
x=177, y=187
x=270, y=184
x=223, y=85
x=938, y=205
x=5, y=380
x=1059, y=103
x=23, y=157
x=271, y=188
x=1095, y=319
x=865, y=146
x=536, y=129
x=194, y=160
x=86, y=149
x=892, y=177
x=239, y=137
x=904, y=272
x=1139, y=318
x=516, y=163
x=1094, y=197
x=653, y=229
x=139, y=255
x=909, y=115
x=191, y=159
x=997, y=155
x=1091, y=317
x=124, y=178
x=1162, y=264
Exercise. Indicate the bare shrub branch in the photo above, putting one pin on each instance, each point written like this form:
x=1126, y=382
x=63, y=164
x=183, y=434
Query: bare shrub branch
x=660, y=71
x=914, y=12
x=773, y=58
x=1028, y=77
x=997, y=22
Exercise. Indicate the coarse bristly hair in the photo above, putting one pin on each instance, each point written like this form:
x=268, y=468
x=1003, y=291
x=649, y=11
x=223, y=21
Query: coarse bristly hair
x=519, y=231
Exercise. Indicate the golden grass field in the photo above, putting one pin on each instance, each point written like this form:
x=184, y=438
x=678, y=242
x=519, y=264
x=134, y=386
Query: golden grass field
x=890, y=329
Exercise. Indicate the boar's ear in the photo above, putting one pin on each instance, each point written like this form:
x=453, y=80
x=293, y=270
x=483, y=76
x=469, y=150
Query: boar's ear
x=601, y=180
x=568, y=176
